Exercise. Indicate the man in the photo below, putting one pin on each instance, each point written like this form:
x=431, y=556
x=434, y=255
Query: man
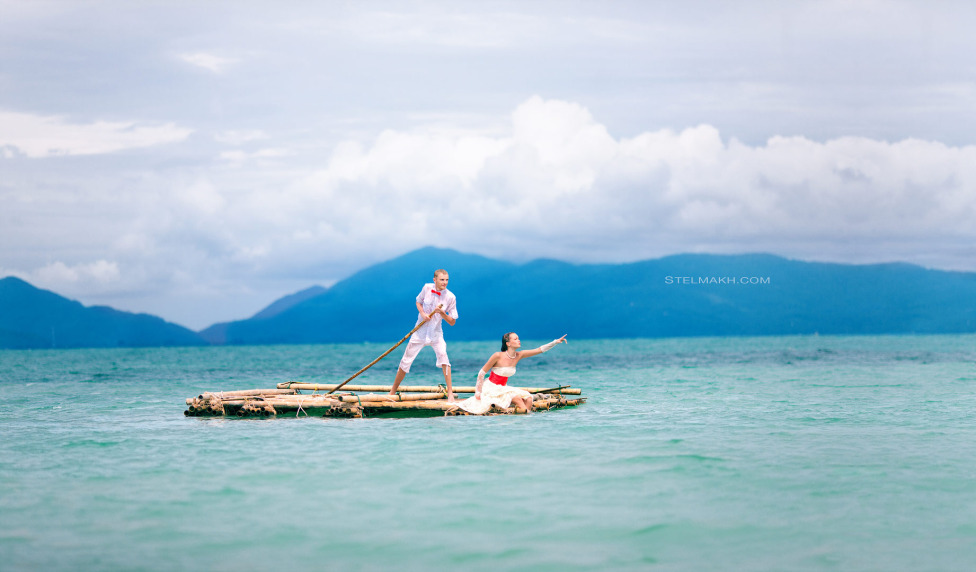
x=438, y=304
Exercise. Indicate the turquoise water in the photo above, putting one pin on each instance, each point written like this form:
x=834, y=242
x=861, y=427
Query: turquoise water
x=801, y=453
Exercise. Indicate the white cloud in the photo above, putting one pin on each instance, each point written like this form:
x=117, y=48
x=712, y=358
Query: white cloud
x=240, y=136
x=60, y=275
x=201, y=197
x=44, y=136
x=560, y=177
x=556, y=183
x=209, y=62
x=238, y=158
x=441, y=28
x=413, y=161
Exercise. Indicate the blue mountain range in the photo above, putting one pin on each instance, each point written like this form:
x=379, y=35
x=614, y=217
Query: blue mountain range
x=682, y=295
x=31, y=318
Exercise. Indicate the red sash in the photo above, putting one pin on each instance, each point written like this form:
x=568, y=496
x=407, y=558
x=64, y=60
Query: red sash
x=497, y=379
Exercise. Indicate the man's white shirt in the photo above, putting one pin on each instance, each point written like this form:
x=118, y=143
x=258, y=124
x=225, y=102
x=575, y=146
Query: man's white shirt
x=431, y=331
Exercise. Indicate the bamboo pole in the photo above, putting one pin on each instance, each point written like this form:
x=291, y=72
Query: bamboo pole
x=413, y=388
x=550, y=390
x=387, y=352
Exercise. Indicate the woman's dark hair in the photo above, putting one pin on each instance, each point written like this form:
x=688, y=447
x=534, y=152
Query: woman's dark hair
x=505, y=341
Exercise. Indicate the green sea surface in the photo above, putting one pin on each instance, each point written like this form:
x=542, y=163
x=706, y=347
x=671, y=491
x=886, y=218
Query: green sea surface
x=780, y=453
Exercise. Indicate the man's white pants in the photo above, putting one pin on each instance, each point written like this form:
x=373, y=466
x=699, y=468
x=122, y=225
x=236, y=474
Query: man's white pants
x=414, y=347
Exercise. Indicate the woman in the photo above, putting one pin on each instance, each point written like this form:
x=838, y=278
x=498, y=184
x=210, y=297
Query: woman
x=502, y=366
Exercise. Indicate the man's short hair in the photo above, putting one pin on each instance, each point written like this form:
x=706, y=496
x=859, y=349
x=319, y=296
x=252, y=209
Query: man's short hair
x=440, y=271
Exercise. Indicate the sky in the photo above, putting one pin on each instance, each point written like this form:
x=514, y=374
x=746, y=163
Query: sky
x=198, y=160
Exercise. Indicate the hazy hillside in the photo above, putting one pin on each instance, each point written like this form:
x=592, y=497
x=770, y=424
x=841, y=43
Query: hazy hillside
x=217, y=333
x=35, y=318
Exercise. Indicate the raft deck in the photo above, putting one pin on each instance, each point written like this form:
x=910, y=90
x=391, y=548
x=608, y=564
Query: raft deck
x=358, y=401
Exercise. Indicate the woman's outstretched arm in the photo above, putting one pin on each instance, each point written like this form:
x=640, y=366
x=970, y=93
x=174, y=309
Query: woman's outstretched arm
x=543, y=348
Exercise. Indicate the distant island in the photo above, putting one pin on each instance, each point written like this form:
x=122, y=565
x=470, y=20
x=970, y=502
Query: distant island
x=674, y=296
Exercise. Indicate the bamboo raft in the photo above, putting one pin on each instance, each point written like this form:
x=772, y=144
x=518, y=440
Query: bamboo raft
x=358, y=401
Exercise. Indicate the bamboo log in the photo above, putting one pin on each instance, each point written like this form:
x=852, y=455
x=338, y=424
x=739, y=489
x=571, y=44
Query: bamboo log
x=371, y=397
x=247, y=392
x=553, y=403
x=396, y=405
x=315, y=408
x=306, y=407
x=295, y=400
x=306, y=402
x=539, y=405
x=190, y=402
x=258, y=394
x=256, y=409
x=205, y=405
x=411, y=388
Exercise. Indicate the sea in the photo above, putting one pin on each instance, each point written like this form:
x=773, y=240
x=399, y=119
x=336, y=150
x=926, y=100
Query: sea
x=695, y=454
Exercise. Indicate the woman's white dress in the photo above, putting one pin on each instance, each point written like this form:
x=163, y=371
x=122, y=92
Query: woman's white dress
x=494, y=394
